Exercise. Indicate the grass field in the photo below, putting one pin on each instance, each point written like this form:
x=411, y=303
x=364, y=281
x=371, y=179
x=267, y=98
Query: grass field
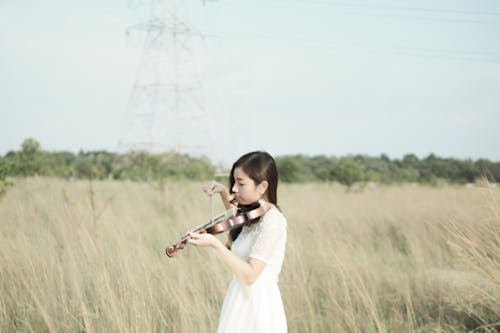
x=81, y=256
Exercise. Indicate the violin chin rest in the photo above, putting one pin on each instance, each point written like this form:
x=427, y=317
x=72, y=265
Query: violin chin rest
x=171, y=251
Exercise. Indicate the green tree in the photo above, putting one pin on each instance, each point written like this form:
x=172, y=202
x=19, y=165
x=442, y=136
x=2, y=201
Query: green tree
x=199, y=169
x=349, y=171
x=322, y=168
x=410, y=165
x=58, y=164
x=85, y=169
x=487, y=170
x=289, y=169
x=28, y=161
x=4, y=171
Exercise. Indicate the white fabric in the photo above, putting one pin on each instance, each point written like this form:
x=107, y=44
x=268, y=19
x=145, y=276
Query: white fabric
x=257, y=308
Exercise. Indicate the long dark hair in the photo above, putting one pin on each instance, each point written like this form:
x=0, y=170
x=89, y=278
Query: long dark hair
x=259, y=166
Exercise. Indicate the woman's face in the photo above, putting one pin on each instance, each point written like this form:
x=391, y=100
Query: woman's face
x=245, y=190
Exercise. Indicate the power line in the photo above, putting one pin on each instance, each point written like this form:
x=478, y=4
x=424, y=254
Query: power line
x=399, y=16
x=403, y=8
x=452, y=54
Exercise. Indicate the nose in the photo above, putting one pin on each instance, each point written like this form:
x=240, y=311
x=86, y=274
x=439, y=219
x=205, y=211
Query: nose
x=234, y=189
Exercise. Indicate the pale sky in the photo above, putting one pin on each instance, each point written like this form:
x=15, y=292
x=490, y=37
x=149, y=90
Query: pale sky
x=287, y=76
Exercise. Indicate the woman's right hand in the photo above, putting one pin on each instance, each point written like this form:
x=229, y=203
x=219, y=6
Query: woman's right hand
x=211, y=187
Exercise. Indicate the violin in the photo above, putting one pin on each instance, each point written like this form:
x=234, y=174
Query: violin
x=225, y=221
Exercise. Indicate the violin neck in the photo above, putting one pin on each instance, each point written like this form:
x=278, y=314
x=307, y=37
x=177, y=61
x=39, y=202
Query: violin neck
x=223, y=216
x=217, y=219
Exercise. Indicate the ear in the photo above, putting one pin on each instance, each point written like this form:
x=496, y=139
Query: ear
x=262, y=187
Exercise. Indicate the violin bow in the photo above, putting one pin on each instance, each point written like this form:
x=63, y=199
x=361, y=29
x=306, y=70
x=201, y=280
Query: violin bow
x=212, y=206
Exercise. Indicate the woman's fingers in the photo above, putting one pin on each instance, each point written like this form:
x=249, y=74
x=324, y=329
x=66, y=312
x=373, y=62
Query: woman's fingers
x=209, y=187
x=212, y=187
x=194, y=238
x=202, y=239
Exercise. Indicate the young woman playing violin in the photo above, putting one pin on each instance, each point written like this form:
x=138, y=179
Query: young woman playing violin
x=255, y=251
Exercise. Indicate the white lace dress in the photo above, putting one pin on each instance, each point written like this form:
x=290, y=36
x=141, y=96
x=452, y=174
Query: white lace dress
x=257, y=308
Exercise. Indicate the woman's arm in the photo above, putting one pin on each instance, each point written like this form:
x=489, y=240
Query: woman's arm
x=226, y=199
x=244, y=271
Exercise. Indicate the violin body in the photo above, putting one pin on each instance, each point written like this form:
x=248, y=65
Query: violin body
x=226, y=221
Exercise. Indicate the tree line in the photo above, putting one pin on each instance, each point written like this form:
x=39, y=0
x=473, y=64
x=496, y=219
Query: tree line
x=353, y=169
x=31, y=160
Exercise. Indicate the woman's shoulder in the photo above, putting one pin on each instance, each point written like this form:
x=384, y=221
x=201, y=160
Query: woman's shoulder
x=274, y=215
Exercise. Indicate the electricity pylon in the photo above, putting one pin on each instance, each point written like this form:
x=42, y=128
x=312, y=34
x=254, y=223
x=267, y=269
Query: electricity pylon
x=167, y=109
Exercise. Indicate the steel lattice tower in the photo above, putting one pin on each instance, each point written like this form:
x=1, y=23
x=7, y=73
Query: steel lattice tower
x=167, y=110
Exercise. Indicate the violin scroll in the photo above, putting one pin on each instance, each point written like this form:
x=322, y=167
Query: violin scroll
x=171, y=251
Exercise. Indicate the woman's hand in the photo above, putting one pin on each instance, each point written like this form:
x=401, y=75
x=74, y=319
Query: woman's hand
x=211, y=187
x=204, y=240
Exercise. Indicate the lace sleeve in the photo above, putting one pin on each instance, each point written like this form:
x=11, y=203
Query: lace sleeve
x=271, y=230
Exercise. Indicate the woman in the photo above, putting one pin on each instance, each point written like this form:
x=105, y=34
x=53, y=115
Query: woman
x=255, y=252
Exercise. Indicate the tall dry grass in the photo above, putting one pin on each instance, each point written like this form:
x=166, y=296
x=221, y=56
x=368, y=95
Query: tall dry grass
x=80, y=256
